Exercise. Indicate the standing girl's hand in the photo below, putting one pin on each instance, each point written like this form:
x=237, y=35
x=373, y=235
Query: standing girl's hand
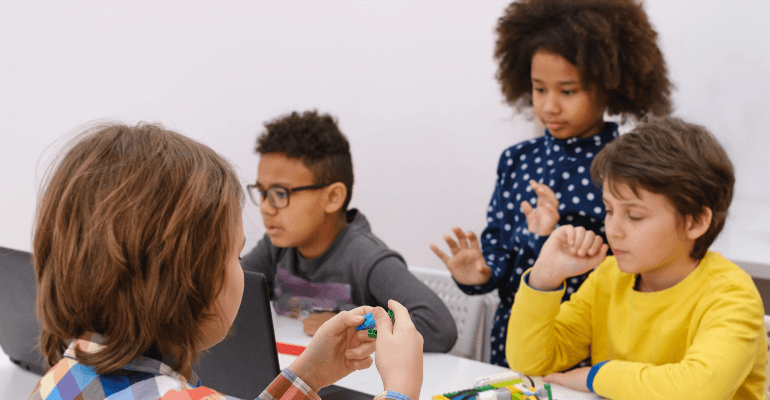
x=467, y=263
x=336, y=350
x=542, y=219
x=399, y=351
x=569, y=251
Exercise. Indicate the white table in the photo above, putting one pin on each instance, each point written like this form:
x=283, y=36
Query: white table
x=15, y=383
x=442, y=373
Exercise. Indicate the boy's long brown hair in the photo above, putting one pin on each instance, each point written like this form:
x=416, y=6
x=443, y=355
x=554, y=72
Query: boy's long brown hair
x=133, y=228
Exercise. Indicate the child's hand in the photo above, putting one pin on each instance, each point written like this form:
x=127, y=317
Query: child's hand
x=577, y=379
x=542, y=219
x=569, y=251
x=336, y=350
x=314, y=321
x=399, y=351
x=467, y=262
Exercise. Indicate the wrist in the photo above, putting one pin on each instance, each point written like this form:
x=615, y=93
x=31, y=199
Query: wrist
x=404, y=389
x=543, y=278
x=592, y=375
x=304, y=371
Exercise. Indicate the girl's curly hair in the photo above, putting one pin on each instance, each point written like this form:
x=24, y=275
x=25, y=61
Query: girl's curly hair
x=611, y=42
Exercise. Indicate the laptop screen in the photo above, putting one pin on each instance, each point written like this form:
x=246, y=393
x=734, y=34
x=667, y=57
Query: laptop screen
x=244, y=365
x=18, y=325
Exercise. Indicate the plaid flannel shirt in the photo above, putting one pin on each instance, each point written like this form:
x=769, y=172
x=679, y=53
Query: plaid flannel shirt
x=145, y=378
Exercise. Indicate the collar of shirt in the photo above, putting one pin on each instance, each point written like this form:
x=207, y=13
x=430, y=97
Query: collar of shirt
x=92, y=343
x=572, y=147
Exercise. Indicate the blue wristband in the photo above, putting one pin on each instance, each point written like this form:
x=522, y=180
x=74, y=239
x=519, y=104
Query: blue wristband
x=592, y=375
x=391, y=395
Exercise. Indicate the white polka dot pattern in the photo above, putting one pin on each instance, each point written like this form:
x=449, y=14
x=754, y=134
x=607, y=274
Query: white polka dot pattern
x=509, y=248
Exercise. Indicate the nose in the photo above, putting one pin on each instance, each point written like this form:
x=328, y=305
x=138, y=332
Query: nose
x=551, y=103
x=266, y=208
x=613, y=227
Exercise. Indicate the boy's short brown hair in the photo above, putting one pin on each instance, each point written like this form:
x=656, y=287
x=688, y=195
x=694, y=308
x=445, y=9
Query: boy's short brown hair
x=133, y=229
x=316, y=140
x=676, y=159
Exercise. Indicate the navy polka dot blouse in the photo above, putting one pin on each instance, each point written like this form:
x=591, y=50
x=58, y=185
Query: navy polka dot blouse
x=509, y=248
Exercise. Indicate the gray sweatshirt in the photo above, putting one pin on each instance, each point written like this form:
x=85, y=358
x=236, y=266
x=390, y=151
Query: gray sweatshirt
x=357, y=269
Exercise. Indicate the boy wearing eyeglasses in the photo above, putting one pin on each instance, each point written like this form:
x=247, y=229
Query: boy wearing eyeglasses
x=319, y=256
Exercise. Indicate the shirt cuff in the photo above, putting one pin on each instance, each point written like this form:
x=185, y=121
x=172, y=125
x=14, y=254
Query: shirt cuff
x=592, y=374
x=298, y=383
x=391, y=395
x=525, y=279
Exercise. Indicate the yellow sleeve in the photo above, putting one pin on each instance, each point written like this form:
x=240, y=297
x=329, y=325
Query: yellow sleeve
x=715, y=365
x=544, y=336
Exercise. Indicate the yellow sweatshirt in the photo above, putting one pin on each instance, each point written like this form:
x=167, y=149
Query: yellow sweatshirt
x=704, y=338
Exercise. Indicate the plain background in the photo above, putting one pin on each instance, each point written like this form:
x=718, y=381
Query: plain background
x=412, y=84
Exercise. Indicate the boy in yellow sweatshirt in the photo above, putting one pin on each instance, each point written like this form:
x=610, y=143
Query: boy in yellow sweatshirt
x=663, y=317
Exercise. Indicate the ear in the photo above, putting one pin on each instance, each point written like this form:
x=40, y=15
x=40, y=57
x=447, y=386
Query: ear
x=696, y=228
x=335, y=197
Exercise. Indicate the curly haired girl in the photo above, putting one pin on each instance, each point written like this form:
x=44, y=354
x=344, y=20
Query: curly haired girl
x=571, y=61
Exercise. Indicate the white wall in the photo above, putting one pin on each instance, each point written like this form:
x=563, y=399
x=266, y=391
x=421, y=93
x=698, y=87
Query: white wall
x=412, y=84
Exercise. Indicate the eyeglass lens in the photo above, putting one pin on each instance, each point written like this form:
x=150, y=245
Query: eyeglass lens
x=276, y=195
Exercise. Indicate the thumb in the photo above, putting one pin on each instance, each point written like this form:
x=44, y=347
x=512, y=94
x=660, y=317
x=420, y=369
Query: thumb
x=382, y=321
x=526, y=208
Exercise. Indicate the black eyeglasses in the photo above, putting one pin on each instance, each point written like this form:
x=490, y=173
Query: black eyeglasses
x=278, y=196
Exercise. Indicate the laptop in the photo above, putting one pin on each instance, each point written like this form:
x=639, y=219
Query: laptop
x=244, y=364
x=18, y=325
x=240, y=366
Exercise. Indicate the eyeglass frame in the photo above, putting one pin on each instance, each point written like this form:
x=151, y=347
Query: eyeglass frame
x=289, y=191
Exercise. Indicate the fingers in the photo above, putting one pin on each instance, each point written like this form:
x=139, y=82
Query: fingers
x=527, y=209
x=382, y=321
x=361, y=351
x=461, y=239
x=360, y=364
x=400, y=314
x=362, y=310
x=453, y=247
x=473, y=241
x=444, y=258
x=544, y=194
x=595, y=246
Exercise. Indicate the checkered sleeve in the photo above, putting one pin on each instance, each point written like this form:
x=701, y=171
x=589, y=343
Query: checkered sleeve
x=288, y=386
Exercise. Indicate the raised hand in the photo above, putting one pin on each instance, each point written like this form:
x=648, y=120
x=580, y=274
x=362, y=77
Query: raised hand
x=467, y=263
x=569, y=251
x=542, y=219
x=336, y=350
x=399, y=351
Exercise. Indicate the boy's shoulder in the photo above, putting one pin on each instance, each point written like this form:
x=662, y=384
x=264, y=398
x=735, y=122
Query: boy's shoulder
x=358, y=240
x=723, y=272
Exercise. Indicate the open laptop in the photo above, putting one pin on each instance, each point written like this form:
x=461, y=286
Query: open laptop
x=18, y=325
x=245, y=364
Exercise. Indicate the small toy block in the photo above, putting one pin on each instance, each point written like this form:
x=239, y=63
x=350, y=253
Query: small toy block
x=372, y=333
x=368, y=323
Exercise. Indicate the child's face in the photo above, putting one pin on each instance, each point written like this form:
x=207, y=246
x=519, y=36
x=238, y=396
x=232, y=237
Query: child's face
x=228, y=302
x=646, y=233
x=566, y=108
x=298, y=224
